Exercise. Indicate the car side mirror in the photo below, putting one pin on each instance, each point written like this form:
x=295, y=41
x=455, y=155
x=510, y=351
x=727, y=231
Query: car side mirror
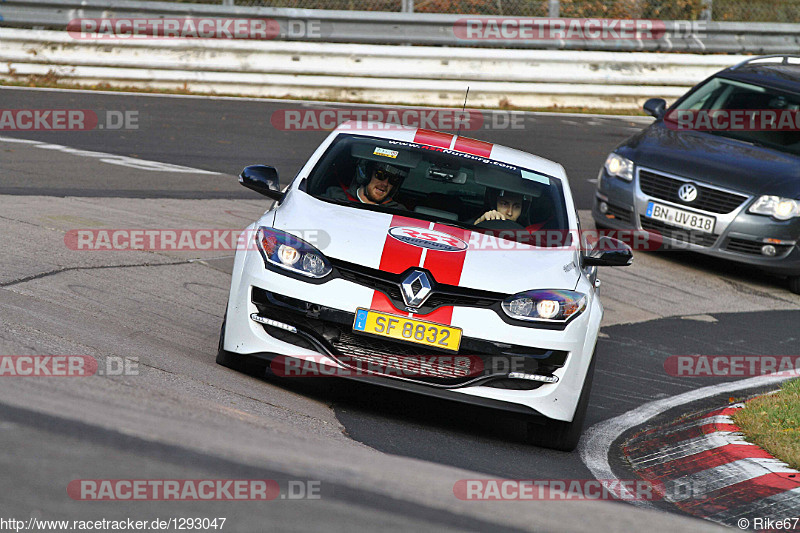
x=609, y=252
x=655, y=107
x=263, y=180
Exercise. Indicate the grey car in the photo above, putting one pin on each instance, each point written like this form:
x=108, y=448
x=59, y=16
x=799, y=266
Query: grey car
x=730, y=192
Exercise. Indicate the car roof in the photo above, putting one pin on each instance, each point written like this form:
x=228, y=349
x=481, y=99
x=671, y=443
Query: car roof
x=772, y=71
x=457, y=143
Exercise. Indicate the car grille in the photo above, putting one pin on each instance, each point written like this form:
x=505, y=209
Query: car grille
x=389, y=284
x=678, y=234
x=744, y=246
x=708, y=199
x=360, y=350
x=330, y=331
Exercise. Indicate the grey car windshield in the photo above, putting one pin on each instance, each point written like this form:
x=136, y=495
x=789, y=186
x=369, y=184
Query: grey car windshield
x=438, y=185
x=773, y=122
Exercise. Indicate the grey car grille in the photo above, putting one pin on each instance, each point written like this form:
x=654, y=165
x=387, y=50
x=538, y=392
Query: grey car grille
x=708, y=199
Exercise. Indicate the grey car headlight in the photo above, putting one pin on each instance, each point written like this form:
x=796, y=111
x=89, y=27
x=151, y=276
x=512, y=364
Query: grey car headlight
x=619, y=166
x=545, y=305
x=776, y=207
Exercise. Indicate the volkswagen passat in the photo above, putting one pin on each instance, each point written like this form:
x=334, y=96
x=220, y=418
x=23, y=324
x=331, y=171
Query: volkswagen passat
x=428, y=262
x=719, y=171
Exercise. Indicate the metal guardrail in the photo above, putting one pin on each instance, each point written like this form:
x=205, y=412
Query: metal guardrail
x=429, y=75
x=372, y=27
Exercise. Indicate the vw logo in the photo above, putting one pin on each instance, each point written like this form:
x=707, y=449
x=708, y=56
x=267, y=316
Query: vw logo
x=416, y=287
x=687, y=192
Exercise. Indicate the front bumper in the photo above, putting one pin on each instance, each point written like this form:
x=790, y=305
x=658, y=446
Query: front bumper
x=324, y=312
x=738, y=235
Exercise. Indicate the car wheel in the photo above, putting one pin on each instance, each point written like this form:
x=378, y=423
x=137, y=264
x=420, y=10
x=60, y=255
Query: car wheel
x=559, y=435
x=226, y=358
x=794, y=284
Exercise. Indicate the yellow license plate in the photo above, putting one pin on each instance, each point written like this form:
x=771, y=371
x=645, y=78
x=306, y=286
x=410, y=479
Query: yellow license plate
x=407, y=329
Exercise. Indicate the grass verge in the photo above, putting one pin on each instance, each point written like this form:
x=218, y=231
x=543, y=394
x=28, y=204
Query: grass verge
x=773, y=422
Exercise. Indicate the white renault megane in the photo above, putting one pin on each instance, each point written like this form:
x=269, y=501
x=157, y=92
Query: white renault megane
x=429, y=262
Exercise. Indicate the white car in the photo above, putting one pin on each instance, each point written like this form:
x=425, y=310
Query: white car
x=429, y=262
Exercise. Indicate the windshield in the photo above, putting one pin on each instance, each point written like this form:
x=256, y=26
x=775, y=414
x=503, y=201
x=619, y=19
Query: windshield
x=439, y=185
x=721, y=96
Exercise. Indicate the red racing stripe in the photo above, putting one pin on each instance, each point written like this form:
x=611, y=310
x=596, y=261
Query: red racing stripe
x=433, y=138
x=446, y=268
x=396, y=258
x=473, y=146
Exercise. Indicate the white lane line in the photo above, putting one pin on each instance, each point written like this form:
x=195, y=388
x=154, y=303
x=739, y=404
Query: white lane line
x=597, y=440
x=112, y=159
x=21, y=141
x=722, y=476
x=712, y=441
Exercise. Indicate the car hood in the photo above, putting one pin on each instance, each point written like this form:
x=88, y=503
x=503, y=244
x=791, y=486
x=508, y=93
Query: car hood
x=710, y=158
x=454, y=256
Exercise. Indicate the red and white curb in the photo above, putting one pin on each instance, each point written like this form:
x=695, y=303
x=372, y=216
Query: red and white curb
x=708, y=470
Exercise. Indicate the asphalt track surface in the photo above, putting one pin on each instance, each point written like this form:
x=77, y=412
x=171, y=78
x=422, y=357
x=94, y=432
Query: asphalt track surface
x=384, y=458
x=225, y=135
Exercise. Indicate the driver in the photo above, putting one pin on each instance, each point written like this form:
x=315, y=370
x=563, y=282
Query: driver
x=375, y=183
x=508, y=207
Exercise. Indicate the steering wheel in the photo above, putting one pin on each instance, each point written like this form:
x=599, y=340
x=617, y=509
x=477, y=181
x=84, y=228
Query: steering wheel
x=501, y=225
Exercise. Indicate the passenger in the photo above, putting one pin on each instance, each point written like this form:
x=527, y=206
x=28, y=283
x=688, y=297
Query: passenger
x=508, y=207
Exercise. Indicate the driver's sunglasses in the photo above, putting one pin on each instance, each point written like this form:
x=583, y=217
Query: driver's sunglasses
x=381, y=175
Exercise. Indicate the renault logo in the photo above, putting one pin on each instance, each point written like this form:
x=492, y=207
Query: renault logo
x=687, y=192
x=415, y=288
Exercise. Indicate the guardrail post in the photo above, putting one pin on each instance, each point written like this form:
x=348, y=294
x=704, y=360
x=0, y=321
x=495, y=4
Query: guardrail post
x=553, y=8
x=407, y=6
x=227, y=2
x=705, y=14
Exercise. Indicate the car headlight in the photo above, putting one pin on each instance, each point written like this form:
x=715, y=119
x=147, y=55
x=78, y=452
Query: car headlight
x=618, y=166
x=776, y=207
x=286, y=251
x=545, y=305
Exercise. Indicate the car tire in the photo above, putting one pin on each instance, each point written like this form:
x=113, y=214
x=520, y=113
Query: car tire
x=224, y=358
x=794, y=284
x=560, y=435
